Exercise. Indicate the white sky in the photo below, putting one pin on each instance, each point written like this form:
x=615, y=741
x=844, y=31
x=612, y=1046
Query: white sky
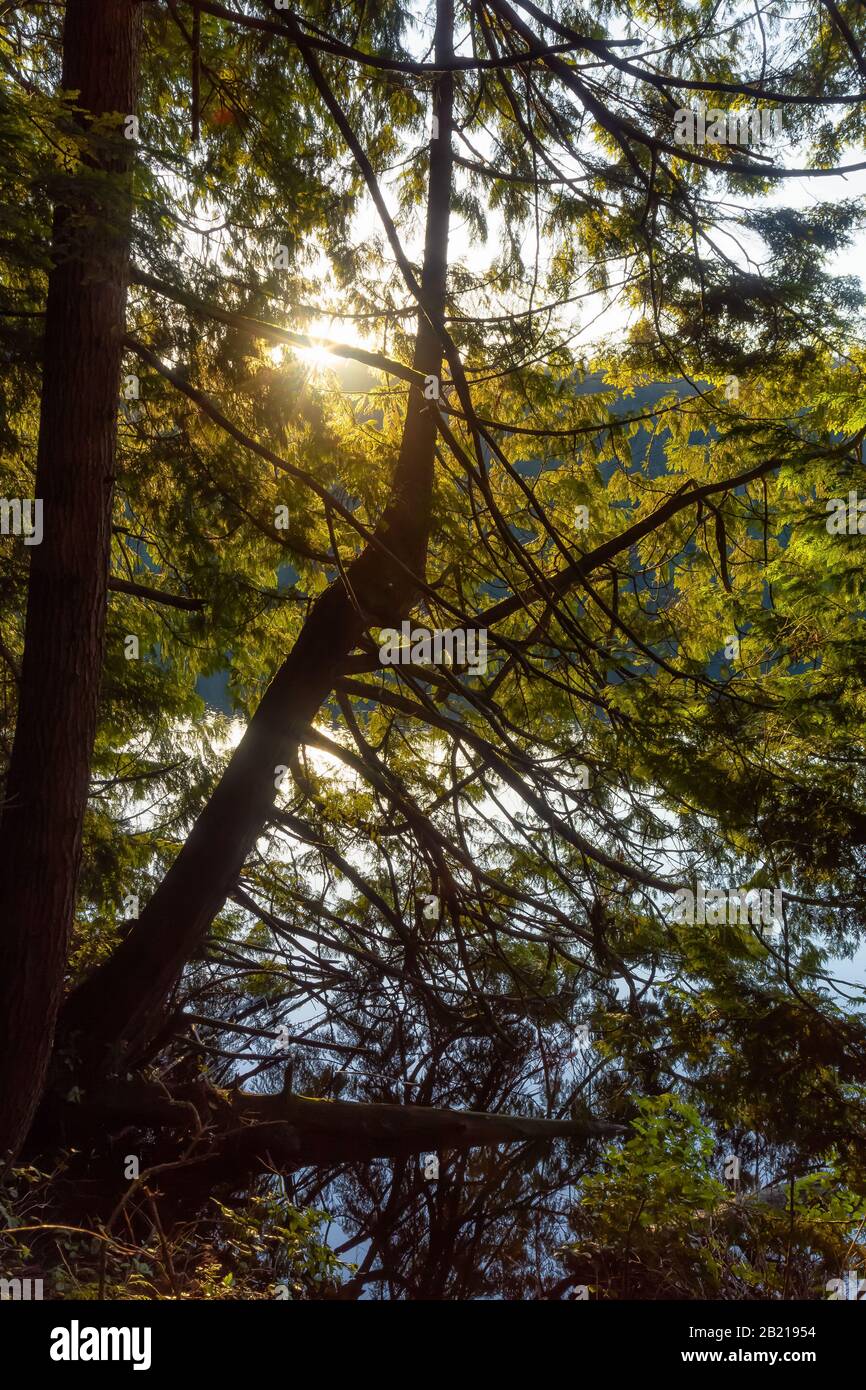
x=597, y=317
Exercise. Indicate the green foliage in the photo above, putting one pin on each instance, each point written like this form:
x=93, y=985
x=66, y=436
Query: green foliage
x=613, y=749
x=656, y=1223
x=261, y=1249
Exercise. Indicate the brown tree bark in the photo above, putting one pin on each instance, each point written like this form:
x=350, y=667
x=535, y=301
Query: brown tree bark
x=118, y=1009
x=46, y=788
x=202, y=1141
x=312, y=1131
x=296, y=1131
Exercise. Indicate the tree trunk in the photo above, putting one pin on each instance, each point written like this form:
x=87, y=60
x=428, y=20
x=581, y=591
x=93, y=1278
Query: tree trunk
x=342, y=1131
x=243, y=1131
x=118, y=1009
x=47, y=785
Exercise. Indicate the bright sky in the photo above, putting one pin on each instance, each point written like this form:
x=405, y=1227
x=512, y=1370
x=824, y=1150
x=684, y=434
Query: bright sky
x=593, y=317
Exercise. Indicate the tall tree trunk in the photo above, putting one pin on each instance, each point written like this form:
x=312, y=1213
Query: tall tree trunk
x=46, y=789
x=119, y=1007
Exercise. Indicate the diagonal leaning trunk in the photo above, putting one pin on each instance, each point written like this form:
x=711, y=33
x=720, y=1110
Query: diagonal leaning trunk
x=118, y=1009
x=249, y=1130
x=46, y=789
x=334, y=1131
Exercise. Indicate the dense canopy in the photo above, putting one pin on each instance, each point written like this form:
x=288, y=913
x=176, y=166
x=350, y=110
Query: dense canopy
x=340, y=960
